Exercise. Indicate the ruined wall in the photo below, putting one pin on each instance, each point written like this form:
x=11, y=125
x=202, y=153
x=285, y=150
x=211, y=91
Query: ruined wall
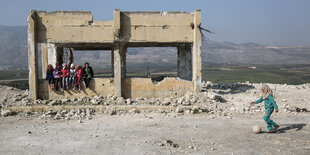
x=78, y=27
x=156, y=26
x=77, y=30
x=98, y=86
x=144, y=87
x=184, y=70
x=72, y=27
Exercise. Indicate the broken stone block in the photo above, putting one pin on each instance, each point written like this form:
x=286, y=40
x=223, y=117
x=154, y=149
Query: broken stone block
x=133, y=111
x=216, y=97
x=7, y=113
x=179, y=110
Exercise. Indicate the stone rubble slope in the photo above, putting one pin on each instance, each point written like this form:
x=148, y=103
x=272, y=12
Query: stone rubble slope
x=222, y=99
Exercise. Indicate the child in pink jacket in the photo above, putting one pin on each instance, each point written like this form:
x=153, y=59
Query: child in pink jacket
x=65, y=74
x=79, y=76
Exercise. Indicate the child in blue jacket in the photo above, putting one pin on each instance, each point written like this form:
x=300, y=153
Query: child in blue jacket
x=270, y=106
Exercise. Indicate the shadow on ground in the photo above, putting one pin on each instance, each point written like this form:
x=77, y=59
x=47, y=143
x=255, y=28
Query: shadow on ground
x=285, y=127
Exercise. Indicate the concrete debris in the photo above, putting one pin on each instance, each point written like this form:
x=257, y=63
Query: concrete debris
x=69, y=115
x=112, y=112
x=161, y=144
x=179, y=110
x=236, y=96
x=133, y=111
x=216, y=97
x=172, y=144
x=5, y=113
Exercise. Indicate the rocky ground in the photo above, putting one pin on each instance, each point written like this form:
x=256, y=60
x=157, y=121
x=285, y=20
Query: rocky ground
x=215, y=99
x=217, y=120
x=154, y=134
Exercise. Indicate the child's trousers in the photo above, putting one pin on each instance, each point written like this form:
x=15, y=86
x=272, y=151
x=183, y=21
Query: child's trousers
x=71, y=81
x=270, y=123
x=57, y=81
x=78, y=82
x=65, y=82
x=50, y=80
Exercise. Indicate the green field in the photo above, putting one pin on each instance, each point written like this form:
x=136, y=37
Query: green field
x=289, y=74
x=269, y=74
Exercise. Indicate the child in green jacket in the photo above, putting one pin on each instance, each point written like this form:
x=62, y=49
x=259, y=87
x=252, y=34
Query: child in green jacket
x=270, y=106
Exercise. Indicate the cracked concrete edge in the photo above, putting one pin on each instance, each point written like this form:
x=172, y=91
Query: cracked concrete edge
x=98, y=108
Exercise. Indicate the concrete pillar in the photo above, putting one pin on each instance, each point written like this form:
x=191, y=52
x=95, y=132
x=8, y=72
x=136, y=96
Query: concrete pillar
x=112, y=62
x=51, y=54
x=70, y=56
x=117, y=24
x=184, y=62
x=44, y=59
x=117, y=69
x=119, y=52
x=123, y=62
x=197, y=52
x=32, y=55
x=59, y=55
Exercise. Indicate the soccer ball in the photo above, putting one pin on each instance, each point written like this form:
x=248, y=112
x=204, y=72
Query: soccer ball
x=256, y=129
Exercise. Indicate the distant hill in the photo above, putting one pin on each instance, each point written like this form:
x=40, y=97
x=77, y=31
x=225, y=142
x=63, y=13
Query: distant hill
x=13, y=51
x=252, y=53
x=13, y=46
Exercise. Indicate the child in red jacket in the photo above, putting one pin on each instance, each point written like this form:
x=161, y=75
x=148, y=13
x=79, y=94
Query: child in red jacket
x=65, y=74
x=79, y=76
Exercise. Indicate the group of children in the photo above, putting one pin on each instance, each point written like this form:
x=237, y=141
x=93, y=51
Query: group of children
x=68, y=77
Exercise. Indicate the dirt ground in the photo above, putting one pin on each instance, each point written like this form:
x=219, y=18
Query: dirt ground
x=149, y=133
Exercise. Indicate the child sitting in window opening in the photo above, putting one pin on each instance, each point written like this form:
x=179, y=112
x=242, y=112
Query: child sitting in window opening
x=50, y=76
x=79, y=76
x=56, y=74
x=72, y=76
x=65, y=74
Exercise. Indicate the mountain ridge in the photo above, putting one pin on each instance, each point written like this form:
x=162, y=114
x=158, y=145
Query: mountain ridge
x=13, y=51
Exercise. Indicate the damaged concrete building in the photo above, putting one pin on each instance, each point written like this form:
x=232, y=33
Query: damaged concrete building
x=55, y=31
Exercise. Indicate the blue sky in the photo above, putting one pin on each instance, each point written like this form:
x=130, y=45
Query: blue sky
x=276, y=22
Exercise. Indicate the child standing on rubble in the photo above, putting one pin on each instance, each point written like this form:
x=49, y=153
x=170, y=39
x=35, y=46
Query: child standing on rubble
x=50, y=76
x=270, y=106
x=56, y=74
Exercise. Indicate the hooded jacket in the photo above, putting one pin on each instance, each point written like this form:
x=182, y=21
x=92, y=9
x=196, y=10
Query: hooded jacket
x=65, y=72
x=269, y=102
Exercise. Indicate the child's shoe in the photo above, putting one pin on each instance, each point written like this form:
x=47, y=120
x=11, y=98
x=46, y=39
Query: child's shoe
x=275, y=128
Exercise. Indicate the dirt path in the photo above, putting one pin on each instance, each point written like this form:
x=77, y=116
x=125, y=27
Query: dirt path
x=144, y=133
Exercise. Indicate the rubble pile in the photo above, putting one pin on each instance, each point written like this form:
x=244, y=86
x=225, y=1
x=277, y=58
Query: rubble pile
x=224, y=99
x=77, y=114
